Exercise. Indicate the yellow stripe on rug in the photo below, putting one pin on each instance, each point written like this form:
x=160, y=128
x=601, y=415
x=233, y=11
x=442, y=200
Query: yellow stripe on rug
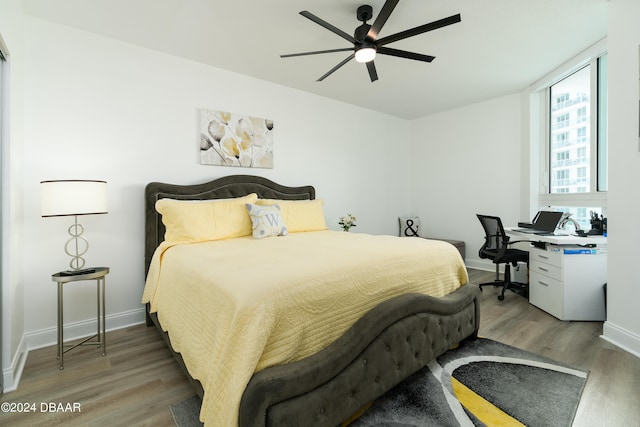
x=484, y=410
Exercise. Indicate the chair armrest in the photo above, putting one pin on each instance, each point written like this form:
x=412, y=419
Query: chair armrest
x=518, y=241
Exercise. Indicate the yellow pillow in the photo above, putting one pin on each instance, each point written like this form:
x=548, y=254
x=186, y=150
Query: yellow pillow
x=299, y=215
x=188, y=221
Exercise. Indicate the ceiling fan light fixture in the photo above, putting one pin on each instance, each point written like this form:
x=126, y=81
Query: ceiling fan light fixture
x=365, y=41
x=365, y=54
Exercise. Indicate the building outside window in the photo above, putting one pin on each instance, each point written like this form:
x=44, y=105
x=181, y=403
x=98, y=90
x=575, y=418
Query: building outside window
x=570, y=103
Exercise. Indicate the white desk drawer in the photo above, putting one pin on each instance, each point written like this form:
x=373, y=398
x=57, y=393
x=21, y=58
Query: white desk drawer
x=548, y=270
x=547, y=257
x=546, y=293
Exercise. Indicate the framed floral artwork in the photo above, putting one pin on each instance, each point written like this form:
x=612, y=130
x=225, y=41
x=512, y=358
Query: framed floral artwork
x=228, y=139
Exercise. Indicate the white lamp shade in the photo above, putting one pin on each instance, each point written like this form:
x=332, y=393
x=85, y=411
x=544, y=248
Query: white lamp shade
x=73, y=197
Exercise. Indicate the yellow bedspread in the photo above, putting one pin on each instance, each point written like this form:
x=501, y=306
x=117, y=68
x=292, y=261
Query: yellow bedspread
x=233, y=307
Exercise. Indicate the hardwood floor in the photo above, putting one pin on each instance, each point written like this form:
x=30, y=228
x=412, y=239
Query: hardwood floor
x=138, y=379
x=612, y=394
x=132, y=386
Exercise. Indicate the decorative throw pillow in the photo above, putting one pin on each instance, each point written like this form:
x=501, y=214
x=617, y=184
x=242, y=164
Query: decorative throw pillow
x=409, y=226
x=266, y=221
x=189, y=221
x=299, y=215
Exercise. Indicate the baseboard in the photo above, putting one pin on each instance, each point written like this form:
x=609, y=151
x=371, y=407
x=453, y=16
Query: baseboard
x=83, y=328
x=11, y=376
x=72, y=331
x=480, y=264
x=621, y=337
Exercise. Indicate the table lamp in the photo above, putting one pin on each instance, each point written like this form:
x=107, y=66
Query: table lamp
x=73, y=198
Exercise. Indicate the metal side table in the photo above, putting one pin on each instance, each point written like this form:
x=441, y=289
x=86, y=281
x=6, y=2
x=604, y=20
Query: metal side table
x=98, y=274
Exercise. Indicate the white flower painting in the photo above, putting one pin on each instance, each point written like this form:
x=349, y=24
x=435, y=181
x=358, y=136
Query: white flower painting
x=228, y=139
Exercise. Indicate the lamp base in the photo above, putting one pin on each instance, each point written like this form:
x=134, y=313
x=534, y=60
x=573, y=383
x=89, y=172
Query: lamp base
x=77, y=242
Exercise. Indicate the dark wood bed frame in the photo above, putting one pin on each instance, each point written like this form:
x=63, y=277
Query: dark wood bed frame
x=388, y=344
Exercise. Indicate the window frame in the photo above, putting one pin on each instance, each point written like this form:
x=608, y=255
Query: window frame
x=540, y=93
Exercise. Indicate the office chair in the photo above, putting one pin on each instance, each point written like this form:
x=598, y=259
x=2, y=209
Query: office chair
x=496, y=248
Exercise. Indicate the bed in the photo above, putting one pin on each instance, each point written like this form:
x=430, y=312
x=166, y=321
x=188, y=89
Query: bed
x=327, y=372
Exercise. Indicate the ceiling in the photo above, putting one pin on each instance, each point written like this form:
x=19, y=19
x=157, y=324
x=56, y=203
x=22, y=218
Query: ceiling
x=500, y=47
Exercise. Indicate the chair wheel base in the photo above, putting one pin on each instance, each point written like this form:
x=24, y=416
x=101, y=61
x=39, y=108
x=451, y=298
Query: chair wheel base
x=521, y=289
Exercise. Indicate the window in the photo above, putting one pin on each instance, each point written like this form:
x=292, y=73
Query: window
x=582, y=136
x=569, y=125
x=562, y=98
x=582, y=152
x=576, y=91
x=582, y=114
x=577, y=117
x=562, y=139
x=562, y=121
x=562, y=176
x=582, y=173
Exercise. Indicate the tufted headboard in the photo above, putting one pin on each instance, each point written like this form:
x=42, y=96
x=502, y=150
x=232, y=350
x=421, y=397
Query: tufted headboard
x=221, y=188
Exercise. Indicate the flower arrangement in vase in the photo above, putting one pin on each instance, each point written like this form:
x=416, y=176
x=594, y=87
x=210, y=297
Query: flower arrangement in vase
x=348, y=221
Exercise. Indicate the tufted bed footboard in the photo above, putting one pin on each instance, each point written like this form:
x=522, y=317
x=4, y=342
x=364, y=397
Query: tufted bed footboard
x=387, y=345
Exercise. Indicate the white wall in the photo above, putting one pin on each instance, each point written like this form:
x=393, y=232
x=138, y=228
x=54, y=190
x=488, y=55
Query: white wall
x=465, y=162
x=96, y=108
x=13, y=354
x=623, y=321
x=102, y=109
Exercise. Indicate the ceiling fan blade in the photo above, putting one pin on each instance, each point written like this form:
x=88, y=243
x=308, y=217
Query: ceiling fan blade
x=453, y=19
x=381, y=19
x=289, y=55
x=371, y=67
x=404, y=54
x=331, y=71
x=328, y=26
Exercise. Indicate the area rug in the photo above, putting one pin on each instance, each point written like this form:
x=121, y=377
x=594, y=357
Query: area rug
x=187, y=412
x=480, y=383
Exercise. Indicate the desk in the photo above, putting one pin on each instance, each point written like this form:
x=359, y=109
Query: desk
x=567, y=275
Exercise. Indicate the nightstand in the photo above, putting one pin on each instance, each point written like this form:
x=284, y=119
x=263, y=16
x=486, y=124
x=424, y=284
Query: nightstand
x=98, y=274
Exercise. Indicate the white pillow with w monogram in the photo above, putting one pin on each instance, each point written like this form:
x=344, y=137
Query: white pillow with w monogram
x=266, y=221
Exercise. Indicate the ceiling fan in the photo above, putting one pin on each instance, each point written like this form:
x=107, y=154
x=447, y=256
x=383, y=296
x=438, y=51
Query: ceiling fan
x=366, y=43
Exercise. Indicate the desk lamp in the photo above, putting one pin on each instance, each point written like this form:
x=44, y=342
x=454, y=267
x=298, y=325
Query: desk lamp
x=73, y=198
